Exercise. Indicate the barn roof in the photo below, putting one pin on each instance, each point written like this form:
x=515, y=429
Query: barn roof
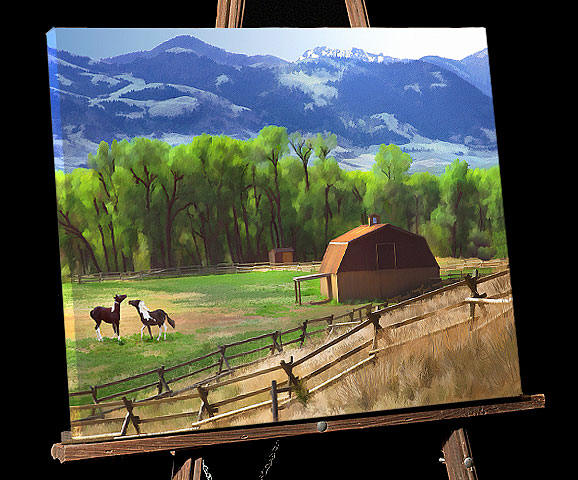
x=358, y=232
x=338, y=247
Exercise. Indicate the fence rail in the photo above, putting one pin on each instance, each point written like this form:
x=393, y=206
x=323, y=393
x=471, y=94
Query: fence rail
x=193, y=270
x=368, y=316
x=223, y=268
x=475, y=263
x=221, y=360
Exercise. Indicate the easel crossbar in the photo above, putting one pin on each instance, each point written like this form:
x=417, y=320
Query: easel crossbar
x=71, y=451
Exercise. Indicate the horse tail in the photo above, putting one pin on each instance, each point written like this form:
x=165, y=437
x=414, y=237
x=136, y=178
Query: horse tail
x=170, y=320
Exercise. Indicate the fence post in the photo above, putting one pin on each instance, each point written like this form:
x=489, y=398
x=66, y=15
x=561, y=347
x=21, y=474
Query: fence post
x=330, y=324
x=472, y=283
x=376, y=328
x=223, y=359
x=288, y=368
x=303, y=333
x=95, y=399
x=134, y=419
x=276, y=345
x=205, y=405
x=274, y=405
x=162, y=381
x=368, y=309
x=93, y=393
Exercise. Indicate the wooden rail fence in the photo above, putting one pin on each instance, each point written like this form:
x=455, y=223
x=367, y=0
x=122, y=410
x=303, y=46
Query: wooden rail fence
x=194, y=270
x=223, y=268
x=219, y=359
x=363, y=317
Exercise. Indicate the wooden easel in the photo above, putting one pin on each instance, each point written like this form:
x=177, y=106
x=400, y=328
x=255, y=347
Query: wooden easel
x=456, y=450
x=457, y=454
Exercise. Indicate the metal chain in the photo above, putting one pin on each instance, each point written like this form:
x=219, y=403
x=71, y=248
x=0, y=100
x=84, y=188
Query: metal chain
x=263, y=473
x=270, y=461
x=206, y=471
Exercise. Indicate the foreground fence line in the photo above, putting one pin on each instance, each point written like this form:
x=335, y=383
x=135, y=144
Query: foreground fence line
x=220, y=359
x=277, y=343
x=294, y=383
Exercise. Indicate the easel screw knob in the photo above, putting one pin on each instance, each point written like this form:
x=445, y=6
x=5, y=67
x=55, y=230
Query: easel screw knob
x=321, y=426
x=468, y=462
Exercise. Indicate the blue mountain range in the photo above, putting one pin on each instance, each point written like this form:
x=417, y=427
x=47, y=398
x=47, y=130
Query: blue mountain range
x=434, y=108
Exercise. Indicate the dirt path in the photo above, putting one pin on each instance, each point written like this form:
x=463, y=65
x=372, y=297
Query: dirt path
x=79, y=324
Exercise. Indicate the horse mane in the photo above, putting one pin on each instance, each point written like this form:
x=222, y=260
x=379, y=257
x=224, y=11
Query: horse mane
x=144, y=311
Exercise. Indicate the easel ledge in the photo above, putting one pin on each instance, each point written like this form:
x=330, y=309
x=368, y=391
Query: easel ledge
x=70, y=451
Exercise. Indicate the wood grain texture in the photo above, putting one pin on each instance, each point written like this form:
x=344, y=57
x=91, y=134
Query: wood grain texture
x=456, y=449
x=71, y=451
x=230, y=13
x=185, y=472
x=198, y=469
x=357, y=13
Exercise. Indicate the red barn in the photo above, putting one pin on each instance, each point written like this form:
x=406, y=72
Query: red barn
x=376, y=261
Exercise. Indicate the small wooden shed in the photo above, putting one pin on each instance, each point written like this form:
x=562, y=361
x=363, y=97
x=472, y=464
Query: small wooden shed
x=376, y=261
x=281, y=255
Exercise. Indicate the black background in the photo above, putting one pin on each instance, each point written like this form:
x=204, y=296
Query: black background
x=524, y=85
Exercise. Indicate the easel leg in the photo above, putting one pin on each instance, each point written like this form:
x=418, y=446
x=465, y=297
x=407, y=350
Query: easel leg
x=458, y=457
x=198, y=469
x=189, y=471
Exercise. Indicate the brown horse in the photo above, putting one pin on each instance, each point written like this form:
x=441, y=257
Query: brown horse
x=108, y=315
x=148, y=318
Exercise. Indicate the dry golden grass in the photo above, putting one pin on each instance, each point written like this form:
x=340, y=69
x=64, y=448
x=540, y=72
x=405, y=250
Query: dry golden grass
x=443, y=358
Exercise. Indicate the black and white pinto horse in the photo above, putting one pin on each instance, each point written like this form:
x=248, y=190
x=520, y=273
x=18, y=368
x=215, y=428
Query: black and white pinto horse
x=148, y=318
x=108, y=315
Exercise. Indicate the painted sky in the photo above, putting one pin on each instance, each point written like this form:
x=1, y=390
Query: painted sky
x=286, y=43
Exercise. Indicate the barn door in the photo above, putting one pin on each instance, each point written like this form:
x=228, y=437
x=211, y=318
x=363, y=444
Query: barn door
x=386, y=258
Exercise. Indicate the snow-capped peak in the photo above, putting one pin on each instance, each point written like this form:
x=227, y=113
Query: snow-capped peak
x=354, y=53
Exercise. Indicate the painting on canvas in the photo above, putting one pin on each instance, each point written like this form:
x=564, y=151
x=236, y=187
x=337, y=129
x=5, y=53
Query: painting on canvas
x=276, y=224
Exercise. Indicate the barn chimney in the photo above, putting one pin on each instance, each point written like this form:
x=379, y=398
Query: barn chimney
x=373, y=219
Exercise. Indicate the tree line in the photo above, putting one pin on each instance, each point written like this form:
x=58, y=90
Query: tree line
x=146, y=204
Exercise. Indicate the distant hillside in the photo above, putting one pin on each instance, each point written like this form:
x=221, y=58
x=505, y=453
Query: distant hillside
x=434, y=107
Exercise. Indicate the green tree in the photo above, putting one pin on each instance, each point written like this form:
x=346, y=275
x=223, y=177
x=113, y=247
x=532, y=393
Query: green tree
x=425, y=191
x=271, y=144
x=303, y=148
x=456, y=213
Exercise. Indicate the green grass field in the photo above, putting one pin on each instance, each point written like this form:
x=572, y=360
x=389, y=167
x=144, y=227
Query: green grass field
x=208, y=311
x=252, y=293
